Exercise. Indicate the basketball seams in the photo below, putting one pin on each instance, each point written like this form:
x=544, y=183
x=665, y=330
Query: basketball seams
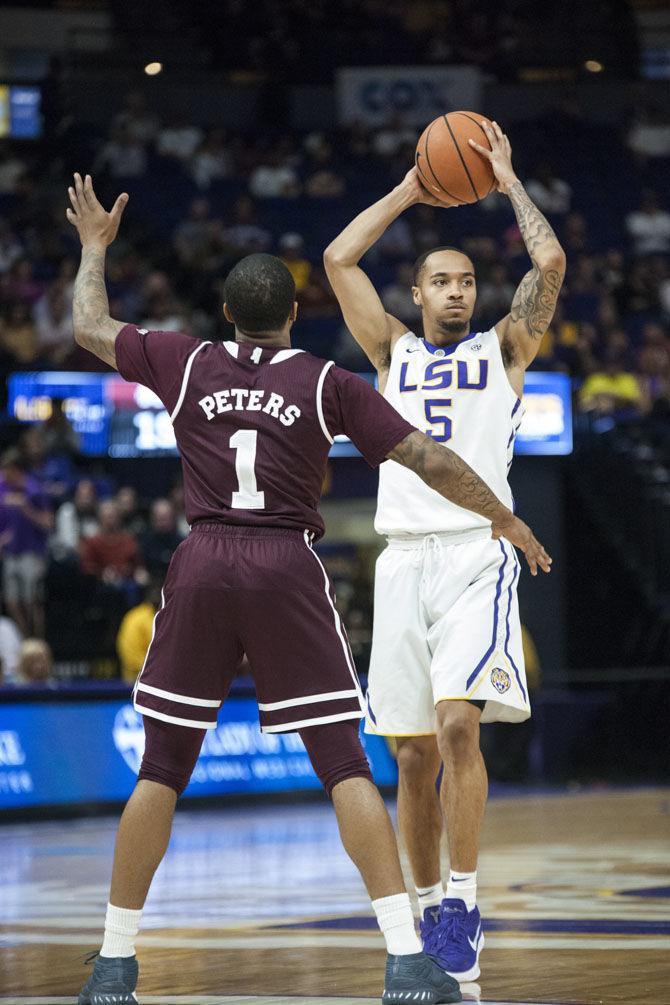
x=490, y=188
x=439, y=183
x=460, y=155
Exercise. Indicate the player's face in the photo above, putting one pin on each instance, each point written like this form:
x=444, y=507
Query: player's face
x=447, y=292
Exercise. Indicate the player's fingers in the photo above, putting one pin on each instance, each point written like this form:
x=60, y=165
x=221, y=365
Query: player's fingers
x=72, y=217
x=119, y=206
x=480, y=150
x=500, y=136
x=73, y=198
x=79, y=187
x=490, y=133
x=91, y=198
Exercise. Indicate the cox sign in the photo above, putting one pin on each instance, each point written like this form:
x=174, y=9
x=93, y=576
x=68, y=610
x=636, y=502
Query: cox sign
x=419, y=94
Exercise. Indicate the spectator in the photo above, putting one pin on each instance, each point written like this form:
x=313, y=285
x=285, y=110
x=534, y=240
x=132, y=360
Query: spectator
x=57, y=434
x=25, y=522
x=245, y=235
x=136, y=631
x=122, y=156
x=18, y=334
x=397, y=298
x=212, y=161
x=12, y=168
x=180, y=139
x=165, y=315
x=19, y=283
x=129, y=509
x=197, y=239
x=551, y=194
x=35, y=668
x=10, y=650
x=161, y=540
x=11, y=248
x=649, y=227
x=388, y=140
x=495, y=294
x=324, y=180
x=274, y=178
x=649, y=135
x=611, y=388
x=112, y=555
x=136, y=120
x=176, y=497
x=575, y=238
x=75, y=519
x=291, y=252
x=53, y=320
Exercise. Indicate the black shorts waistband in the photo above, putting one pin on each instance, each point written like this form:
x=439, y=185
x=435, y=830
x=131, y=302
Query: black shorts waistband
x=246, y=530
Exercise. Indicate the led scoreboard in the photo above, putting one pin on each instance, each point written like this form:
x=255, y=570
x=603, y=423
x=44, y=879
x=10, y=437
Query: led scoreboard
x=115, y=418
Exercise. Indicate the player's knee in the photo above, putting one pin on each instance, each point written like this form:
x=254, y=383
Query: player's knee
x=336, y=752
x=458, y=730
x=170, y=753
x=418, y=759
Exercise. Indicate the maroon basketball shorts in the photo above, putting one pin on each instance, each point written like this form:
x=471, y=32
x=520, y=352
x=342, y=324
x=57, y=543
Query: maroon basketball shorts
x=260, y=591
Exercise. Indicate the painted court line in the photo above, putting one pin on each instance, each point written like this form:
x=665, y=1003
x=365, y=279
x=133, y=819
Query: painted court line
x=581, y=942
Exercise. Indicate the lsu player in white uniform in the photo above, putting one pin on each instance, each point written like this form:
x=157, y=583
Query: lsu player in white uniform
x=446, y=651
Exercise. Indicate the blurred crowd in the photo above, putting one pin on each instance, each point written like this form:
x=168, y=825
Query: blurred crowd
x=223, y=196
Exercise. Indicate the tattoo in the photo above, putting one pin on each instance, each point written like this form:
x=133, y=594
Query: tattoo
x=535, y=300
x=532, y=224
x=449, y=475
x=93, y=327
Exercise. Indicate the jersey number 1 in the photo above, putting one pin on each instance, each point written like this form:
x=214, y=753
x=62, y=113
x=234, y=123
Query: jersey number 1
x=244, y=443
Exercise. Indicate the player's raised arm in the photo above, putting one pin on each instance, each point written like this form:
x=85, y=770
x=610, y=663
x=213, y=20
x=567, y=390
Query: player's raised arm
x=373, y=329
x=448, y=474
x=520, y=332
x=94, y=329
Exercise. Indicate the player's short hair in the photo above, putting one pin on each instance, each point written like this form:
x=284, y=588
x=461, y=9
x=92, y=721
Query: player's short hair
x=259, y=292
x=421, y=260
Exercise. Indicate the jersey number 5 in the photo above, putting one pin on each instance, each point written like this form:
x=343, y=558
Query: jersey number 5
x=440, y=435
x=244, y=443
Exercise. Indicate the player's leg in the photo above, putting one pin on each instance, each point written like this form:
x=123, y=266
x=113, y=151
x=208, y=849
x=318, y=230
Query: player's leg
x=464, y=784
x=306, y=682
x=369, y=839
x=471, y=651
x=187, y=673
x=170, y=754
x=420, y=814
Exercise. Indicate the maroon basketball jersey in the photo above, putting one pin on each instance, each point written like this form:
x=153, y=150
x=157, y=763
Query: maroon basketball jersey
x=254, y=425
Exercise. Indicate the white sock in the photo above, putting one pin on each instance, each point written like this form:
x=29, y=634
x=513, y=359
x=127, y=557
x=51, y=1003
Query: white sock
x=430, y=896
x=121, y=928
x=396, y=920
x=463, y=886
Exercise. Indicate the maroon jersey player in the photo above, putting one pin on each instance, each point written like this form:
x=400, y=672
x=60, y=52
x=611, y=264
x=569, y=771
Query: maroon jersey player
x=254, y=420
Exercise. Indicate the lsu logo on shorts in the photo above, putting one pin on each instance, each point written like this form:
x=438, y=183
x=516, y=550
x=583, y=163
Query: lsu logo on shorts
x=500, y=679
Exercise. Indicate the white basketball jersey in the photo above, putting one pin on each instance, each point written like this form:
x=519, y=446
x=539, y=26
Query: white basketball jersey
x=459, y=395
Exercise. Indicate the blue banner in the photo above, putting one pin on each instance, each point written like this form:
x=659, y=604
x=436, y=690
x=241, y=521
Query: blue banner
x=86, y=752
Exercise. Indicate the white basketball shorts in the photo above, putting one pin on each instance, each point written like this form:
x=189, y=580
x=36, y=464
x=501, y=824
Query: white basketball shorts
x=446, y=626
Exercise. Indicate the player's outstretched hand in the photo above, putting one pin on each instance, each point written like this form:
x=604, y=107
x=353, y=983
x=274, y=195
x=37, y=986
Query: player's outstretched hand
x=96, y=227
x=412, y=183
x=500, y=156
x=520, y=535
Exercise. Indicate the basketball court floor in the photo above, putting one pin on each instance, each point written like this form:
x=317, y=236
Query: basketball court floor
x=260, y=905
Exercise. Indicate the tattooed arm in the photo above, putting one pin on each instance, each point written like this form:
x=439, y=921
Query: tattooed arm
x=521, y=331
x=93, y=327
x=449, y=475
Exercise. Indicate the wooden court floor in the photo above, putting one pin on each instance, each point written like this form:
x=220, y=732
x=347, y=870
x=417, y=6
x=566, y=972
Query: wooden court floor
x=261, y=905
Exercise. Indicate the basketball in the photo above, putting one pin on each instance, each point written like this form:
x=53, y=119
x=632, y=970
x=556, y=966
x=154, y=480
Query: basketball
x=448, y=166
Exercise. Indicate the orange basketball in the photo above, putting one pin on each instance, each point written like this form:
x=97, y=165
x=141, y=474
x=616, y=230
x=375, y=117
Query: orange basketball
x=448, y=166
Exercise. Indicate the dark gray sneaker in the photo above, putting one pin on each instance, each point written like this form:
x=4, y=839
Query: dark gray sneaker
x=417, y=978
x=112, y=982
